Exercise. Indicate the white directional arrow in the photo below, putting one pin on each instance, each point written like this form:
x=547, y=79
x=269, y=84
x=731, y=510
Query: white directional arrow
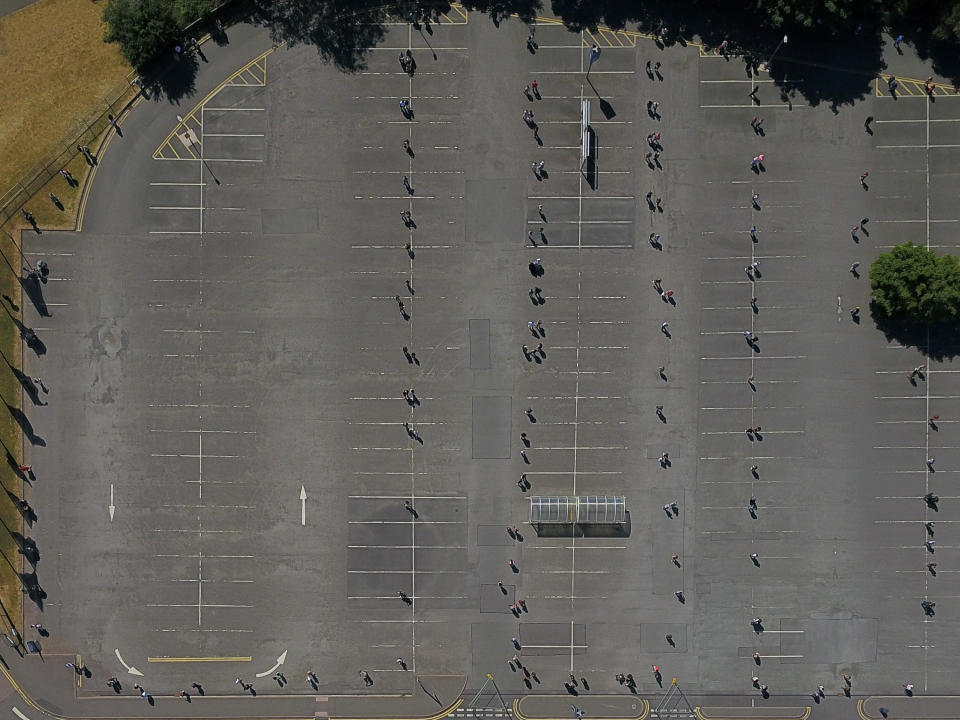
x=111, y=507
x=280, y=661
x=130, y=669
x=303, y=505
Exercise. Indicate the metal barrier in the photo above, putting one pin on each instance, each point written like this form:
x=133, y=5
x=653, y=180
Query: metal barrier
x=83, y=132
x=584, y=131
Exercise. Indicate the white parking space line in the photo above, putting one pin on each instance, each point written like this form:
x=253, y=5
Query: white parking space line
x=764, y=432
x=592, y=72
x=726, y=458
x=741, y=382
x=755, y=105
x=405, y=522
x=408, y=572
x=408, y=497
x=740, y=258
x=740, y=508
x=579, y=472
x=751, y=407
x=910, y=121
x=740, y=332
x=913, y=522
x=407, y=547
x=582, y=222
x=915, y=397
x=748, y=307
x=931, y=371
x=756, y=357
x=195, y=455
x=528, y=546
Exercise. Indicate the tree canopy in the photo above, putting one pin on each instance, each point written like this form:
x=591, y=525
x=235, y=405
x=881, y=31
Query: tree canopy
x=144, y=27
x=913, y=283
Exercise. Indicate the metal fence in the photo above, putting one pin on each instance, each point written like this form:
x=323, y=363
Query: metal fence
x=83, y=132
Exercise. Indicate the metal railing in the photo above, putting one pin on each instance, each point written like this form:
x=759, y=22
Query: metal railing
x=83, y=132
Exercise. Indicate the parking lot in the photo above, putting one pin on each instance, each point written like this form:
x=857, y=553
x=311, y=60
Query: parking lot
x=229, y=358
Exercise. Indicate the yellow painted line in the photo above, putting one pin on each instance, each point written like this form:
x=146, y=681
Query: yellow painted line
x=462, y=12
x=26, y=698
x=623, y=38
x=860, y=711
x=173, y=149
x=697, y=711
x=262, y=58
x=911, y=87
x=520, y=716
x=226, y=658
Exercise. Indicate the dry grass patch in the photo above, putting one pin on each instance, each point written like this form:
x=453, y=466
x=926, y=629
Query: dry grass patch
x=56, y=68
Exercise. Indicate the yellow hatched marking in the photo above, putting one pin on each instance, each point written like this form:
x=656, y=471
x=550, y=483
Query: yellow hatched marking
x=172, y=148
x=911, y=87
x=461, y=12
x=608, y=38
x=258, y=71
x=458, y=15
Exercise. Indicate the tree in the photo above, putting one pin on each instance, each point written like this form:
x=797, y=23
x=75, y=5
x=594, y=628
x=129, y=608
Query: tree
x=141, y=27
x=145, y=27
x=828, y=15
x=948, y=25
x=912, y=283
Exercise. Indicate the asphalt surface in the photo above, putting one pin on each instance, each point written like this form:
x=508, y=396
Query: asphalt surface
x=8, y=7
x=224, y=333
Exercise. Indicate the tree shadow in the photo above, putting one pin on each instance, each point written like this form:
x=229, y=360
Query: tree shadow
x=172, y=79
x=798, y=68
x=343, y=32
x=919, y=30
x=939, y=342
x=847, y=78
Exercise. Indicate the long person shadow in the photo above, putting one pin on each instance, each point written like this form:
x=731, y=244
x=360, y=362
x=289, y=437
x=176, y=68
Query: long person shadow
x=26, y=546
x=33, y=289
x=20, y=417
x=26, y=382
x=28, y=513
x=30, y=583
x=27, y=334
